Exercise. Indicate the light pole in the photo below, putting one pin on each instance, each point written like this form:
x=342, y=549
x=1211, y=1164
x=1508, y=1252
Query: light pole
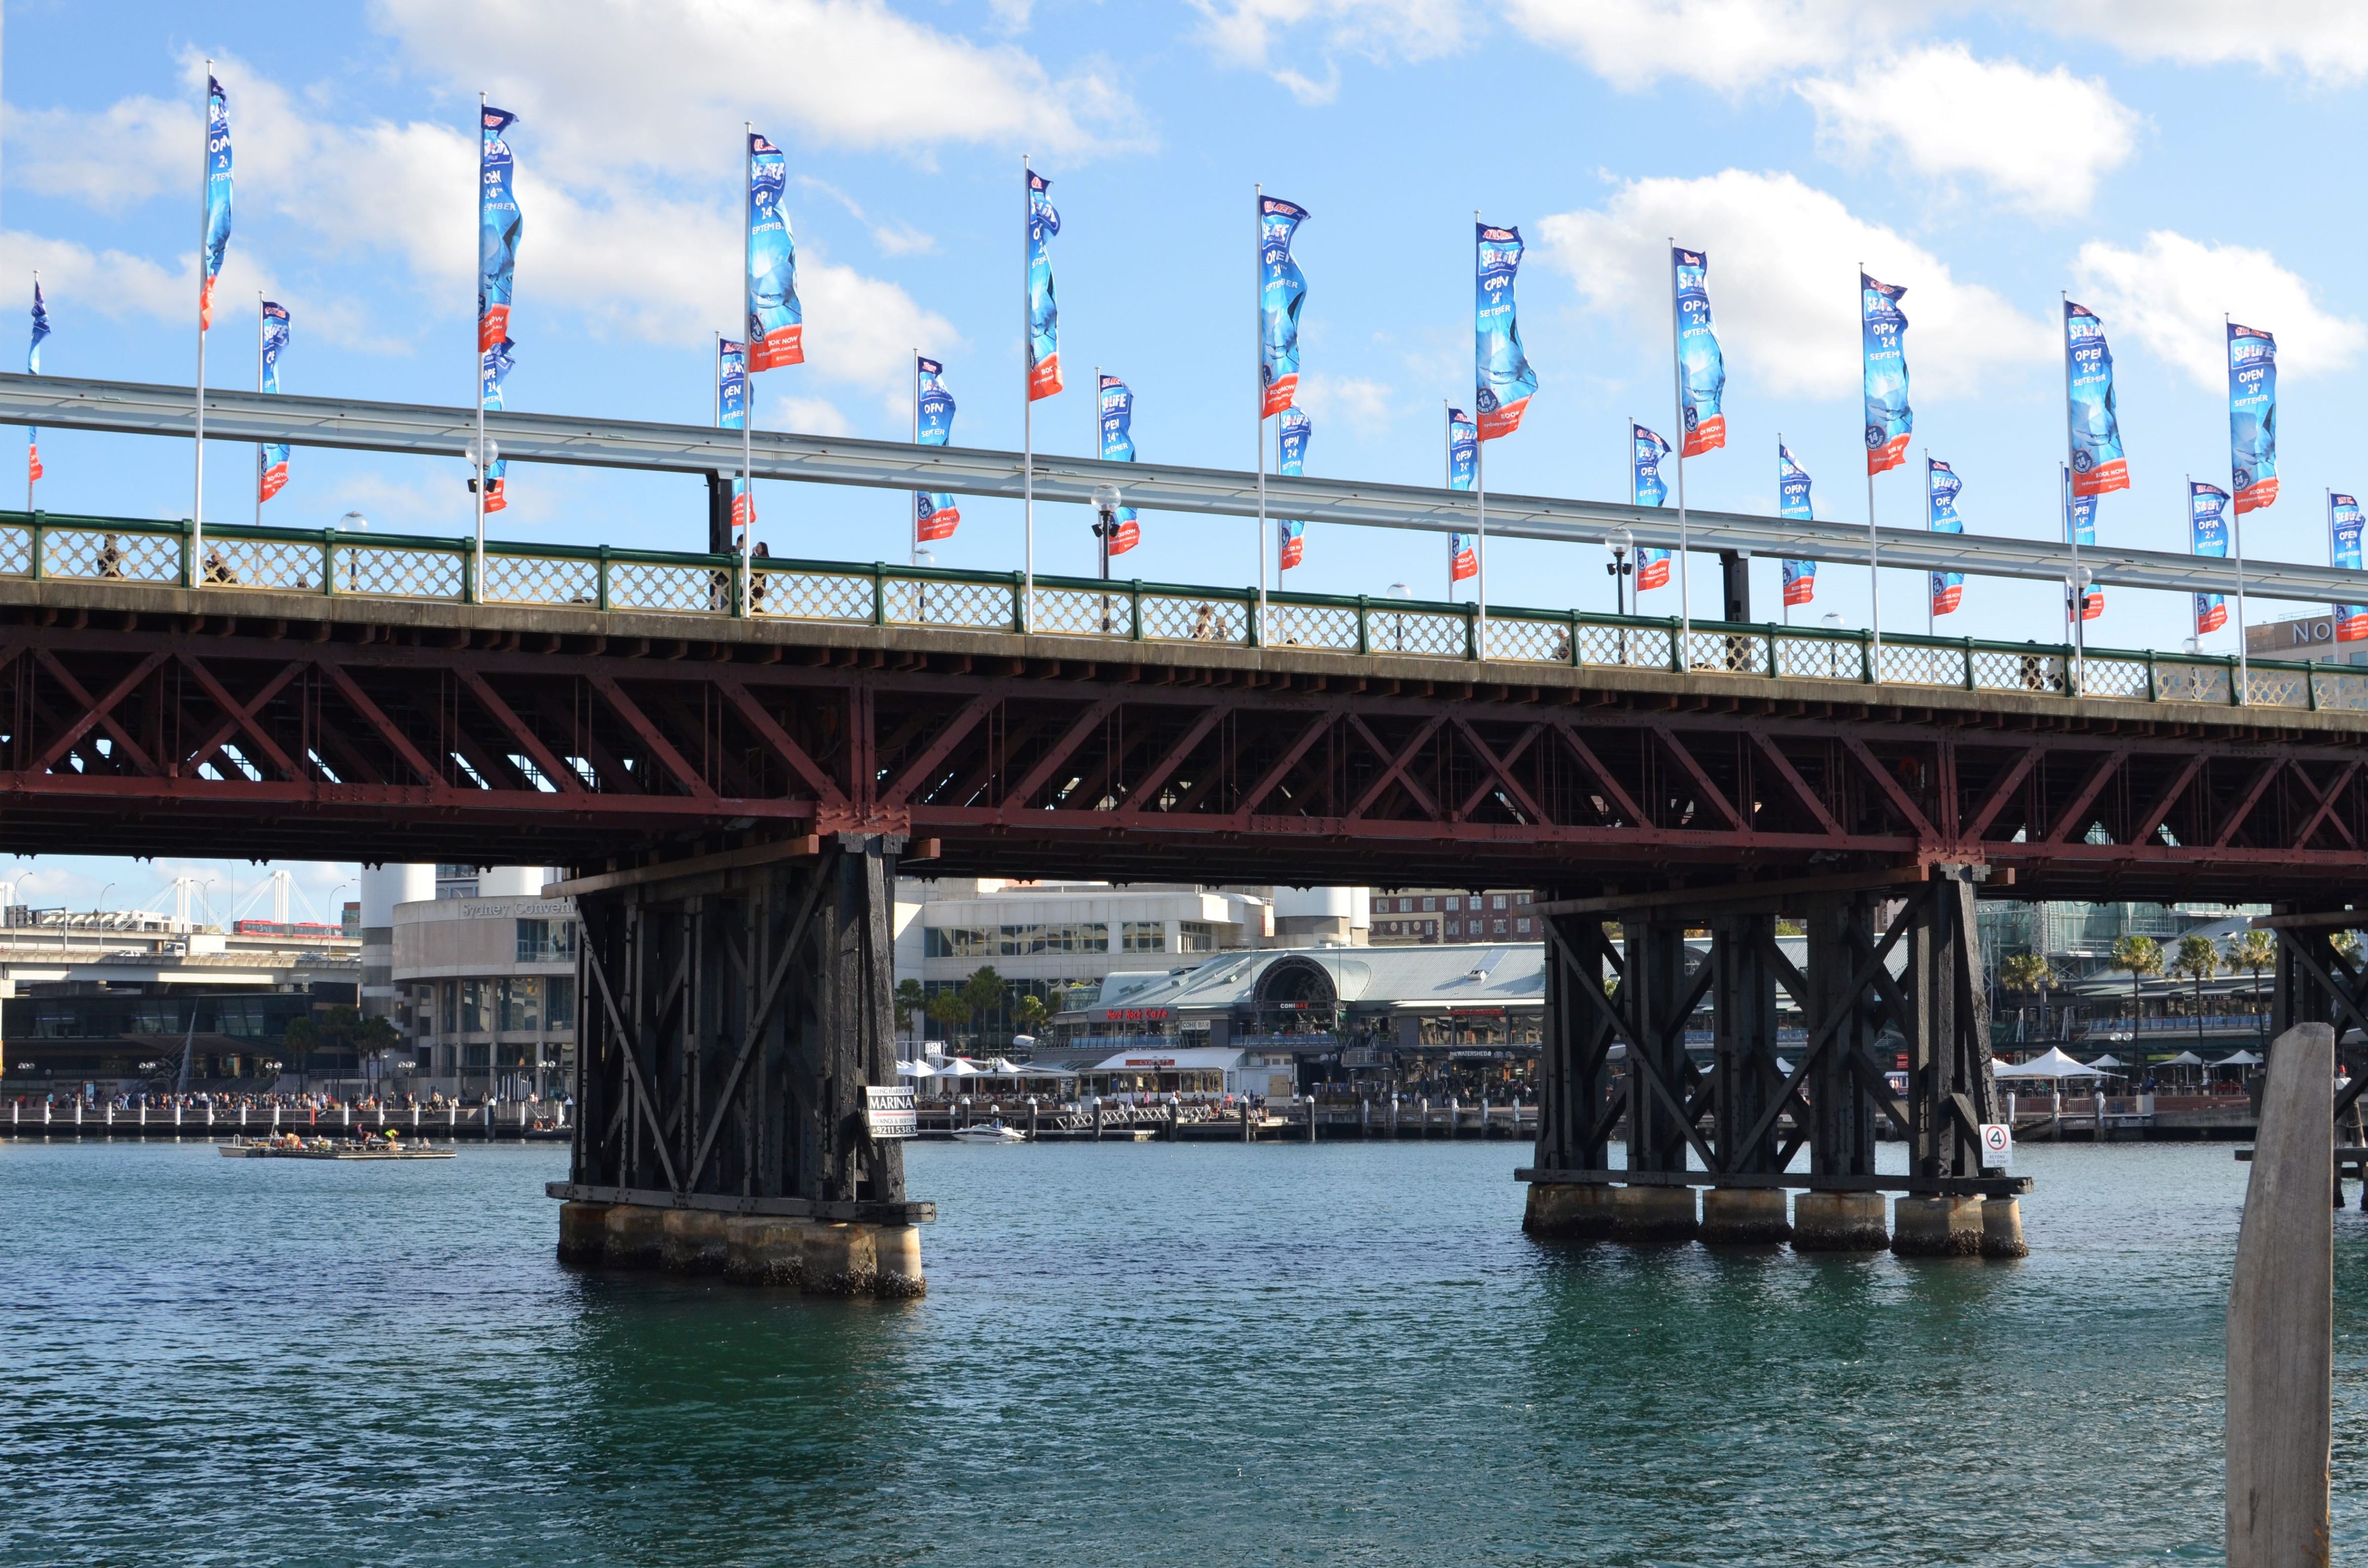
x=1106, y=506
x=1622, y=542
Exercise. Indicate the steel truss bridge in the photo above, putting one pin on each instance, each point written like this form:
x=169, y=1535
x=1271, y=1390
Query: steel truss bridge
x=734, y=793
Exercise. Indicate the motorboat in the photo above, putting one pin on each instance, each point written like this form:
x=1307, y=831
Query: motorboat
x=989, y=1133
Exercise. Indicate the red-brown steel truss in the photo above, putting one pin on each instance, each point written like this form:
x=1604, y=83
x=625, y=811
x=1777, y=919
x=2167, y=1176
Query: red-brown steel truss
x=139, y=735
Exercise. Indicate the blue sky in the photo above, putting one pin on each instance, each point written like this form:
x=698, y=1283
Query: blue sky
x=2164, y=161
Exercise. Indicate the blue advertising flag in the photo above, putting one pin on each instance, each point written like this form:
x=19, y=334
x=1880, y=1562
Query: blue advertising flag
x=2344, y=542
x=217, y=199
x=1882, y=328
x=1462, y=560
x=732, y=410
x=1702, y=369
x=1793, y=505
x=499, y=226
x=2091, y=415
x=1948, y=587
x=1296, y=428
x=1463, y=450
x=33, y=367
x=1117, y=408
x=2083, y=527
x=1503, y=381
x=2208, y=532
x=2252, y=416
x=271, y=458
x=776, y=319
x=493, y=367
x=935, y=516
x=1044, y=315
x=1282, y=289
x=1647, y=488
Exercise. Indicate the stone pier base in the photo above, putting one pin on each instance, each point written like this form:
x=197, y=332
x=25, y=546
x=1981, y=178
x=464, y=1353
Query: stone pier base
x=1937, y=1227
x=583, y=1235
x=820, y=1257
x=1567, y=1212
x=2002, y=1229
x=1839, y=1222
x=1649, y=1215
x=692, y=1242
x=1738, y=1216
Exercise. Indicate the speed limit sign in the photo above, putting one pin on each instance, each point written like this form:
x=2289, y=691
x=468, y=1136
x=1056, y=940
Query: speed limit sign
x=1997, y=1143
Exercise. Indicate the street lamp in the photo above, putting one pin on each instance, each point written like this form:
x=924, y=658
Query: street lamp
x=1622, y=543
x=1399, y=591
x=1106, y=506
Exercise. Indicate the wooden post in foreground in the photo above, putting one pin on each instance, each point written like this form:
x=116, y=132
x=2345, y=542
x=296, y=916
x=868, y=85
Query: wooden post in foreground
x=2282, y=1316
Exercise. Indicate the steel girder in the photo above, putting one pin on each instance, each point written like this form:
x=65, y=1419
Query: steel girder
x=500, y=747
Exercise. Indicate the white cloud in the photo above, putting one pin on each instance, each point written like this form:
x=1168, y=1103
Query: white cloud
x=612, y=85
x=2326, y=40
x=1727, y=44
x=1365, y=406
x=1251, y=33
x=2172, y=293
x=2042, y=139
x=1787, y=308
x=893, y=236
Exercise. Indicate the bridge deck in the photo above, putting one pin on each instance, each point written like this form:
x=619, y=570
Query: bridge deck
x=392, y=718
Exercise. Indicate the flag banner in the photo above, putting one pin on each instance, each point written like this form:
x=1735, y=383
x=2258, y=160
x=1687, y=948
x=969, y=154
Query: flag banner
x=1948, y=587
x=731, y=411
x=1282, y=289
x=1793, y=505
x=2084, y=529
x=935, y=516
x=217, y=199
x=493, y=367
x=1462, y=560
x=271, y=472
x=2343, y=542
x=2252, y=416
x=1702, y=368
x=498, y=228
x=1504, y=381
x=1463, y=450
x=2208, y=535
x=2098, y=465
x=1117, y=404
x=1647, y=488
x=1044, y=315
x=776, y=319
x=33, y=367
x=1296, y=428
x=1889, y=420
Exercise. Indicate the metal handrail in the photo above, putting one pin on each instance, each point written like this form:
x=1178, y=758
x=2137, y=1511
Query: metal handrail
x=45, y=545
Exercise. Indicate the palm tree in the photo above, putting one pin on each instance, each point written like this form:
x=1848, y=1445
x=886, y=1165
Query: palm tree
x=945, y=1009
x=2142, y=956
x=2028, y=973
x=1029, y=1012
x=2198, y=959
x=912, y=1003
x=2256, y=951
x=982, y=992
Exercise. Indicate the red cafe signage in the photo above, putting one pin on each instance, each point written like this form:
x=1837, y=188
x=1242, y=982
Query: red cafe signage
x=1152, y=1061
x=1133, y=1015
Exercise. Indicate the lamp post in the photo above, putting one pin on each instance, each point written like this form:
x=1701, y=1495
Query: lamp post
x=1106, y=505
x=1622, y=543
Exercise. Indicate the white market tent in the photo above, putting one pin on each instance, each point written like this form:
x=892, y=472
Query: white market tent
x=2238, y=1059
x=2052, y=1064
x=2108, y=1063
x=2184, y=1059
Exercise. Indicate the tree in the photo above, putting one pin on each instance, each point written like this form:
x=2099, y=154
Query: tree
x=2198, y=959
x=2142, y=956
x=981, y=993
x=2256, y=951
x=945, y=1009
x=300, y=1040
x=2028, y=972
x=912, y=1003
x=1029, y=1012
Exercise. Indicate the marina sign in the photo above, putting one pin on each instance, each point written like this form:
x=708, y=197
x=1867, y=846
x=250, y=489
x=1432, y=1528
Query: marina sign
x=889, y=1113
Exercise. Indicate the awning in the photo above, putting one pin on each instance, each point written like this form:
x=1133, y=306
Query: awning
x=1185, y=1059
x=2052, y=1064
x=2238, y=1059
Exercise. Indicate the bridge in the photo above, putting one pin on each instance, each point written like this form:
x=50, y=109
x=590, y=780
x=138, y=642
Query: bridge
x=736, y=770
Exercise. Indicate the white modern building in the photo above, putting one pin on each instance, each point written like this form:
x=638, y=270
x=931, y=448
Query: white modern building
x=480, y=978
x=1040, y=936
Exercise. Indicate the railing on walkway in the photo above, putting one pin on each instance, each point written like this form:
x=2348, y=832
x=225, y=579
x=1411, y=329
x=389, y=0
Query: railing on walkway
x=329, y=562
x=513, y=1117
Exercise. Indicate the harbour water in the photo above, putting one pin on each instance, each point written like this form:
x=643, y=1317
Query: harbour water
x=1158, y=1353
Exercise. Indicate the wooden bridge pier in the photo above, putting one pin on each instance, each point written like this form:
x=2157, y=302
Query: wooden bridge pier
x=734, y=1011
x=1613, y=1058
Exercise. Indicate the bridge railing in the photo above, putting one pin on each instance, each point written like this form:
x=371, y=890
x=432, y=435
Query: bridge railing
x=336, y=564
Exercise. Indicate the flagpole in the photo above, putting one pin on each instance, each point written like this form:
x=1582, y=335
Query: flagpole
x=715, y=401
x=1447, y=463
x=2237, y=542
x=1027, y=396
x=259, y=387
x=1873, y=541
x=748, y=363
x=32, y=441
x=1258, y=376
x=205, y=177
x=1928, y=529
x=1781, y=591
x=477, y=370
x=910, y=505
x=1480, y=510
x=1678, y=391
x=2071, y=530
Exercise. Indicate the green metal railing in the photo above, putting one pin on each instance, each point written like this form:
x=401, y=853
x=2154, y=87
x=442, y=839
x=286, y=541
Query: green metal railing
x=325, y=561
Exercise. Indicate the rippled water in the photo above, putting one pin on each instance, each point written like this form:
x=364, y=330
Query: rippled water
x=1141, y=1353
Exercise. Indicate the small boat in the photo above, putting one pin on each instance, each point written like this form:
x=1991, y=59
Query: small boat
x=295, y=1146
x=989, y=1133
